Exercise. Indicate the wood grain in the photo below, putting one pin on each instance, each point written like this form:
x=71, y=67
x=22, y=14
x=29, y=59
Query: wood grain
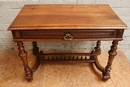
x=67, y=17
x=62, y=75
x=65, y=23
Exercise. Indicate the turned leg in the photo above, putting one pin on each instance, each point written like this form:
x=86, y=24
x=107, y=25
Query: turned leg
x=23, y=55
x=97, y=48
x=36, y=53
x=35, y=48
x=112, y=54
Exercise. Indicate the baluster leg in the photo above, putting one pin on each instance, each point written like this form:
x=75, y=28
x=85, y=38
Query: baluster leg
x=112, y=54
x=36, y=53
x=97, y=48
x=35, y=48
x=23, y=55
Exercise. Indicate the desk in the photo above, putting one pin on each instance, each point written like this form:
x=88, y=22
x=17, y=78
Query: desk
x=67, y=23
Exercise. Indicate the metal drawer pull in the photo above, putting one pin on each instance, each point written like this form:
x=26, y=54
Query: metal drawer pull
x=68, y=36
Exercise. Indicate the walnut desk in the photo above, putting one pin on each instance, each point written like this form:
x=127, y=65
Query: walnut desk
x=62, y=23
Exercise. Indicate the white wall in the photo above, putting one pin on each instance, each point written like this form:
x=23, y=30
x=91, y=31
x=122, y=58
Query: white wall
x=10, y=8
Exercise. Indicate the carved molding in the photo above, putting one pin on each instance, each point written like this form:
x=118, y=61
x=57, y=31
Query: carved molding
x=76, y=34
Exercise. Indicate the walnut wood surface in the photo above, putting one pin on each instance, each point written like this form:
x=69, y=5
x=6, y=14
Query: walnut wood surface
x=33, y=17
x=67, y=23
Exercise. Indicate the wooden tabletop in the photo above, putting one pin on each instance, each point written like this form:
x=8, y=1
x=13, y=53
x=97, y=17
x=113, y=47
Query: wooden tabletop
x=57, y=16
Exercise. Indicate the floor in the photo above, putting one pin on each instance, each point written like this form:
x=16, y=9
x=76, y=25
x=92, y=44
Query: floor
x=63, y=75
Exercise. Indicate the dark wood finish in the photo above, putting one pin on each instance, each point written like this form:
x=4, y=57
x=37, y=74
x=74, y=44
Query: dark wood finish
x=82, y=57
x=97, y=52
x=36, y=53
x=63, y=23
x=58, y=35
x=97, y=48
x=35, y=48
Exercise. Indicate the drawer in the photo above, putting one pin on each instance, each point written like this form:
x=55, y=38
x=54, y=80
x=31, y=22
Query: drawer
x=64, y=34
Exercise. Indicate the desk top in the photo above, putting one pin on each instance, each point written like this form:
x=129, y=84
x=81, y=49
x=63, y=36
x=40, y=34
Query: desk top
x=57, y=16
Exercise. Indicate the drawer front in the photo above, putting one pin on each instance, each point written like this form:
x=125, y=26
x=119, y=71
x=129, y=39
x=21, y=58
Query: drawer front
x=65, y=34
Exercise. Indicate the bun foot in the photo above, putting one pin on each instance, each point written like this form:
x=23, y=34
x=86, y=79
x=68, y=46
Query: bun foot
x=105, y=77
x=29, y=78
x=28, y=74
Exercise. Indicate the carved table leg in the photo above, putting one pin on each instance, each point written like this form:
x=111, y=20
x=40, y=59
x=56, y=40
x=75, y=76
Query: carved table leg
x=97, y=48
x=36, y=53
x=23, y=55
x=112, y=54
x=35, y=48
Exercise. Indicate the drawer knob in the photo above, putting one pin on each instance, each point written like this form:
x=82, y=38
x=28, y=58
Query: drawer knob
x=68, y=36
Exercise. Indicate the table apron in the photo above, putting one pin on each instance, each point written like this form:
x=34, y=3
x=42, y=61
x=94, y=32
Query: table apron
x=67, y=35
